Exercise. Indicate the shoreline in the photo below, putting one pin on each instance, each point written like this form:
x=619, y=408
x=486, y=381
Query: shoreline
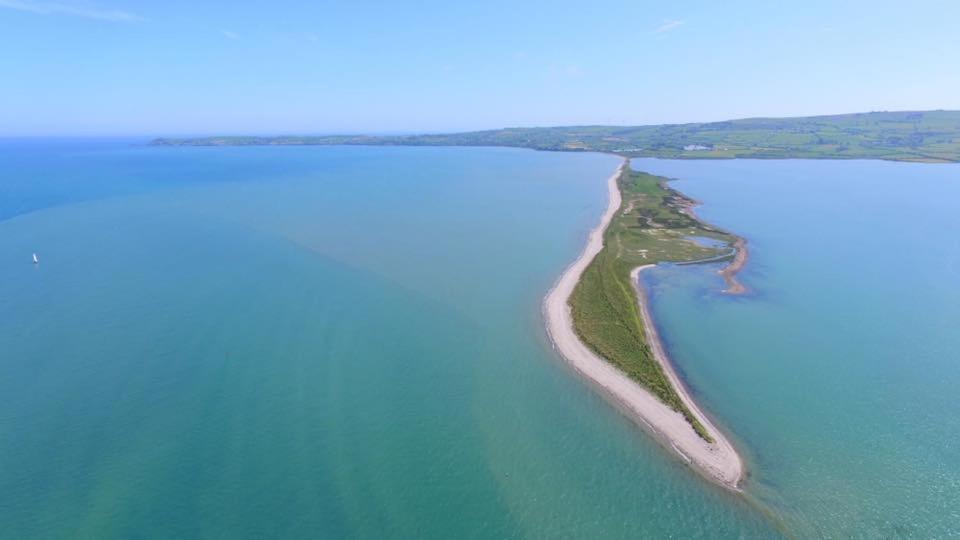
x=717, y=461
x=724, y=446
x=729, y=272
x=740, y=254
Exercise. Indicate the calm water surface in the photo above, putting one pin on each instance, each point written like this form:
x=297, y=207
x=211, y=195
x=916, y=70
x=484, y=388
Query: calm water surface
x=839, y=372
x=346, y=342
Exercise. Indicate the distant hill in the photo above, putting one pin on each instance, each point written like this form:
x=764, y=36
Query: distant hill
x=930, y=136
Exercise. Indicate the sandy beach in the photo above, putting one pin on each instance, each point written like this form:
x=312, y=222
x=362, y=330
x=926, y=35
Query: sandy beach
x=729, y=272
x=718, y=461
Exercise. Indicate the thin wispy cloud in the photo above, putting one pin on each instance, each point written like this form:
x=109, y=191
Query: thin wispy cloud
x=230, y=35
x=667, y=26
x=76, y=10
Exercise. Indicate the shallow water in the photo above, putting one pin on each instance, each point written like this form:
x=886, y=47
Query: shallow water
x=313, y=342
x=706, y=241
x=838, y=372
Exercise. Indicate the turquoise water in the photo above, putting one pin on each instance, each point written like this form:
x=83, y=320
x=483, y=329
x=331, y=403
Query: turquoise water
x=839, y=372
x=317, y=342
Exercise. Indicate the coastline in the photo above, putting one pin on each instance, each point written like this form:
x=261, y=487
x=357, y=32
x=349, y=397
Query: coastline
x=740, y=255
x=729, y=272
x=717, y=461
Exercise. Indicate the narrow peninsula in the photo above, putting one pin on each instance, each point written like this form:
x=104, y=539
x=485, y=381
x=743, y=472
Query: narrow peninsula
x=597, y=314
x=598, y=319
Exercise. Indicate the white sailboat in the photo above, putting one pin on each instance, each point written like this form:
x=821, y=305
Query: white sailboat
x=36, y=260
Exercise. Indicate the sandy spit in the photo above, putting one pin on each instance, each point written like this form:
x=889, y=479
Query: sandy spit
x=729, y=272
x=718, y=461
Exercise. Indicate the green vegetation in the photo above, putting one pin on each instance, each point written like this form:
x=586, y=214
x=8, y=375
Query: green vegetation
x=931, y=136
x=652, y=225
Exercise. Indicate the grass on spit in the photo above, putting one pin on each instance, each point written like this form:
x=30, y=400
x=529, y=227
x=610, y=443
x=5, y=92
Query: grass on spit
x=651, y=226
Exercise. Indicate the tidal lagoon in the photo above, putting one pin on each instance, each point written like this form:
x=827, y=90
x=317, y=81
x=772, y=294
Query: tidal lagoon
x=837, y=372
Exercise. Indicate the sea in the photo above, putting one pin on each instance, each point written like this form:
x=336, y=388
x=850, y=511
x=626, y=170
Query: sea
x=347, y=342
x=838, y=372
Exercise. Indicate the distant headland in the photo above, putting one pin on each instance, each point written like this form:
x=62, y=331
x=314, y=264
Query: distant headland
x=924, y=136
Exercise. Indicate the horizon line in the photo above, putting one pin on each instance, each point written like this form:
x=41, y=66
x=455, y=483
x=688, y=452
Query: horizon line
x=400, y=133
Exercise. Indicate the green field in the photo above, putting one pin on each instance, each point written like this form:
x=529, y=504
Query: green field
x=651, y=226
x=930, y=136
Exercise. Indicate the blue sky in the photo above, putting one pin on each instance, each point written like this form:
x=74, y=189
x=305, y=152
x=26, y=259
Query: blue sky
x=104, y=67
